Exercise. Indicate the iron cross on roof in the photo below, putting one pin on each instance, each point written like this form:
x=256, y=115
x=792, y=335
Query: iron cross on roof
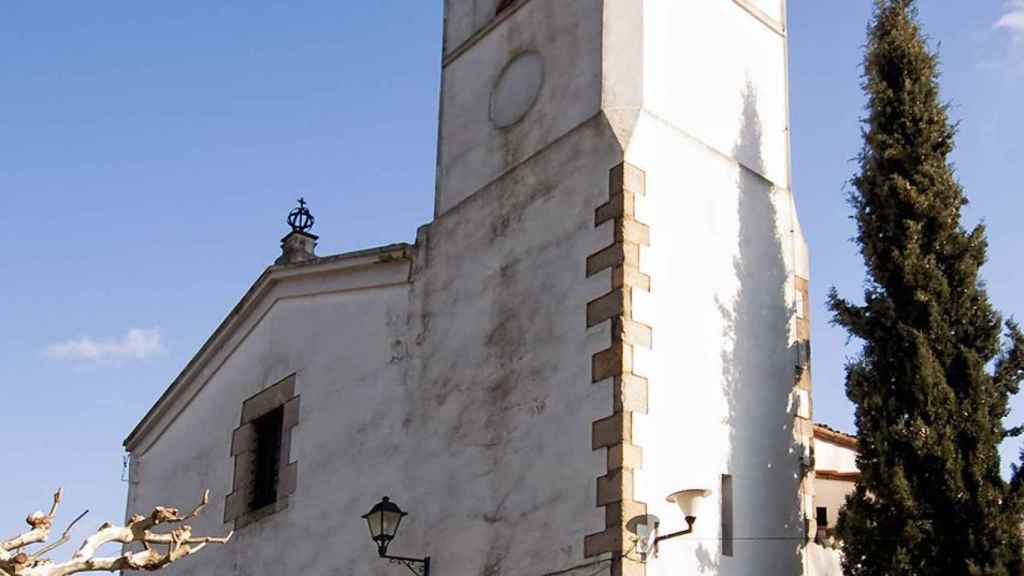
x=300, y=219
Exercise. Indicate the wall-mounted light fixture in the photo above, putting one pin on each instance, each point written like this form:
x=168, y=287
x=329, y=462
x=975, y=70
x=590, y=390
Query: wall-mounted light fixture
x=688, y=502
x=384, y=519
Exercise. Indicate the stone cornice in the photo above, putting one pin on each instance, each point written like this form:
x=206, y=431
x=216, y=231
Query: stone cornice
x=453, y=54
x=773, y=24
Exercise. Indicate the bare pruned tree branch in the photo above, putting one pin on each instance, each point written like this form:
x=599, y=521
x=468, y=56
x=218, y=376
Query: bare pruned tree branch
x=64, y=538
x=176, y=544
x=40, y=525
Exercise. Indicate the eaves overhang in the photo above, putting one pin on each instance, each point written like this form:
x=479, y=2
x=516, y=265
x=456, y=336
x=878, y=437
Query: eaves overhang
x=829, y=434
x=836, y=476
x=188, y=383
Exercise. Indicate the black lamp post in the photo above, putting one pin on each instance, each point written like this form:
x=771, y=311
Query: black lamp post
x=383, y=520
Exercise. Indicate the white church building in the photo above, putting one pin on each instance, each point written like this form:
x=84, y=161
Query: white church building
x=600, y=341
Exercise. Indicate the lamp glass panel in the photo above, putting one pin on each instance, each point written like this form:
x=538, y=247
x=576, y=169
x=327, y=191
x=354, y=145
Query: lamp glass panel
x=389, y=522
x=376, y=524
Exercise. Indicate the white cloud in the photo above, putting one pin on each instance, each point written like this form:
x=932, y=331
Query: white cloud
x=136, y=344
x=1013, y=19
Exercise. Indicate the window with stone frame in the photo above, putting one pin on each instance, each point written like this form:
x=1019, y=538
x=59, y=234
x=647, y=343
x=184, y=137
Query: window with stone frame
x=264, y=476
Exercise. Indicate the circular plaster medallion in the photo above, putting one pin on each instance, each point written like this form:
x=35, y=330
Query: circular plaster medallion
x=517, y=89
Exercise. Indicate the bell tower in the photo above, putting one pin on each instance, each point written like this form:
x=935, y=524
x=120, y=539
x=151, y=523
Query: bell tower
x=517, y=76
x=632, y=158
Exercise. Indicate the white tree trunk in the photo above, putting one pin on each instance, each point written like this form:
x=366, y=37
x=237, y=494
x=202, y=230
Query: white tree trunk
x=176, y=544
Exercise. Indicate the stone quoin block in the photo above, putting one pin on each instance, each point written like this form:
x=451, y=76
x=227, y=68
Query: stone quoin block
x=613, y=304
x=630, y=394
x=621, y=205
x=616, y=486
x=631, y=278
x=626, y=178
x=632, y=333
x=632, y=233
x=625, y=455
x=613, y=430
x=619, y=254
x=608, y=541
x=612, y=363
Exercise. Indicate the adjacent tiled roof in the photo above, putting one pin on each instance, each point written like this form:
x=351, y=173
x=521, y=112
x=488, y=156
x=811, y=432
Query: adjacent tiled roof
x=837, y=476
x=830, y=434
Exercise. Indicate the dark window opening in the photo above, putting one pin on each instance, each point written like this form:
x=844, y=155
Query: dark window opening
x=803, y=353
x=266, y=472
x=824, y=533
x=727, y=524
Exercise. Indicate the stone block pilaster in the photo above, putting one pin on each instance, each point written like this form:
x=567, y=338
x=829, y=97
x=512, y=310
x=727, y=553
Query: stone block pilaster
x=614, y=366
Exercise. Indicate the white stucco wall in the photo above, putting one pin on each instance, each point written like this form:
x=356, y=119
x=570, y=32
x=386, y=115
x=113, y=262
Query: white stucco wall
x=830, y=492
x=347, y=386
x=823, y=560
x=725, y=246
x=701, y=59
x=831, y=495
x=834, y=457
x=721, y=368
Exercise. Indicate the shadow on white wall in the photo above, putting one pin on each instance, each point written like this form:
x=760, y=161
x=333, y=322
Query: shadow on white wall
x=759, y=374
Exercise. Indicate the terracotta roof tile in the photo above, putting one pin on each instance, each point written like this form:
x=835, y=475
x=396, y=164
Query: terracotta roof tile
x=831, y=434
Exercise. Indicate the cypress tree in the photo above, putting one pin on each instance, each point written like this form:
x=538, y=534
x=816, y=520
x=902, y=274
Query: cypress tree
x=932, y=383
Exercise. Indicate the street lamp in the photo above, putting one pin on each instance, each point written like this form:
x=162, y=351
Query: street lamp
x=687, y=501
x=647, y=529
x=383, y=520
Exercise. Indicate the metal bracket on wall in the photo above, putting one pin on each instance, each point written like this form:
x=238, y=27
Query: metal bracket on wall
x=418, y=566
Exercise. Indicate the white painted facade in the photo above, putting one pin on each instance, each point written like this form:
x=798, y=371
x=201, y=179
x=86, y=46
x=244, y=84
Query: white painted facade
x=836, y=473
x=831, y=495
x=455, y=375
x=726, y=248
x=833, y=456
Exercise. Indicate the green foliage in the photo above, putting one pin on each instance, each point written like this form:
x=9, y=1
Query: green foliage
x=933, y=382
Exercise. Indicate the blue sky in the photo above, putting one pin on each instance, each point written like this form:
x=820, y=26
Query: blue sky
x=149, y=153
